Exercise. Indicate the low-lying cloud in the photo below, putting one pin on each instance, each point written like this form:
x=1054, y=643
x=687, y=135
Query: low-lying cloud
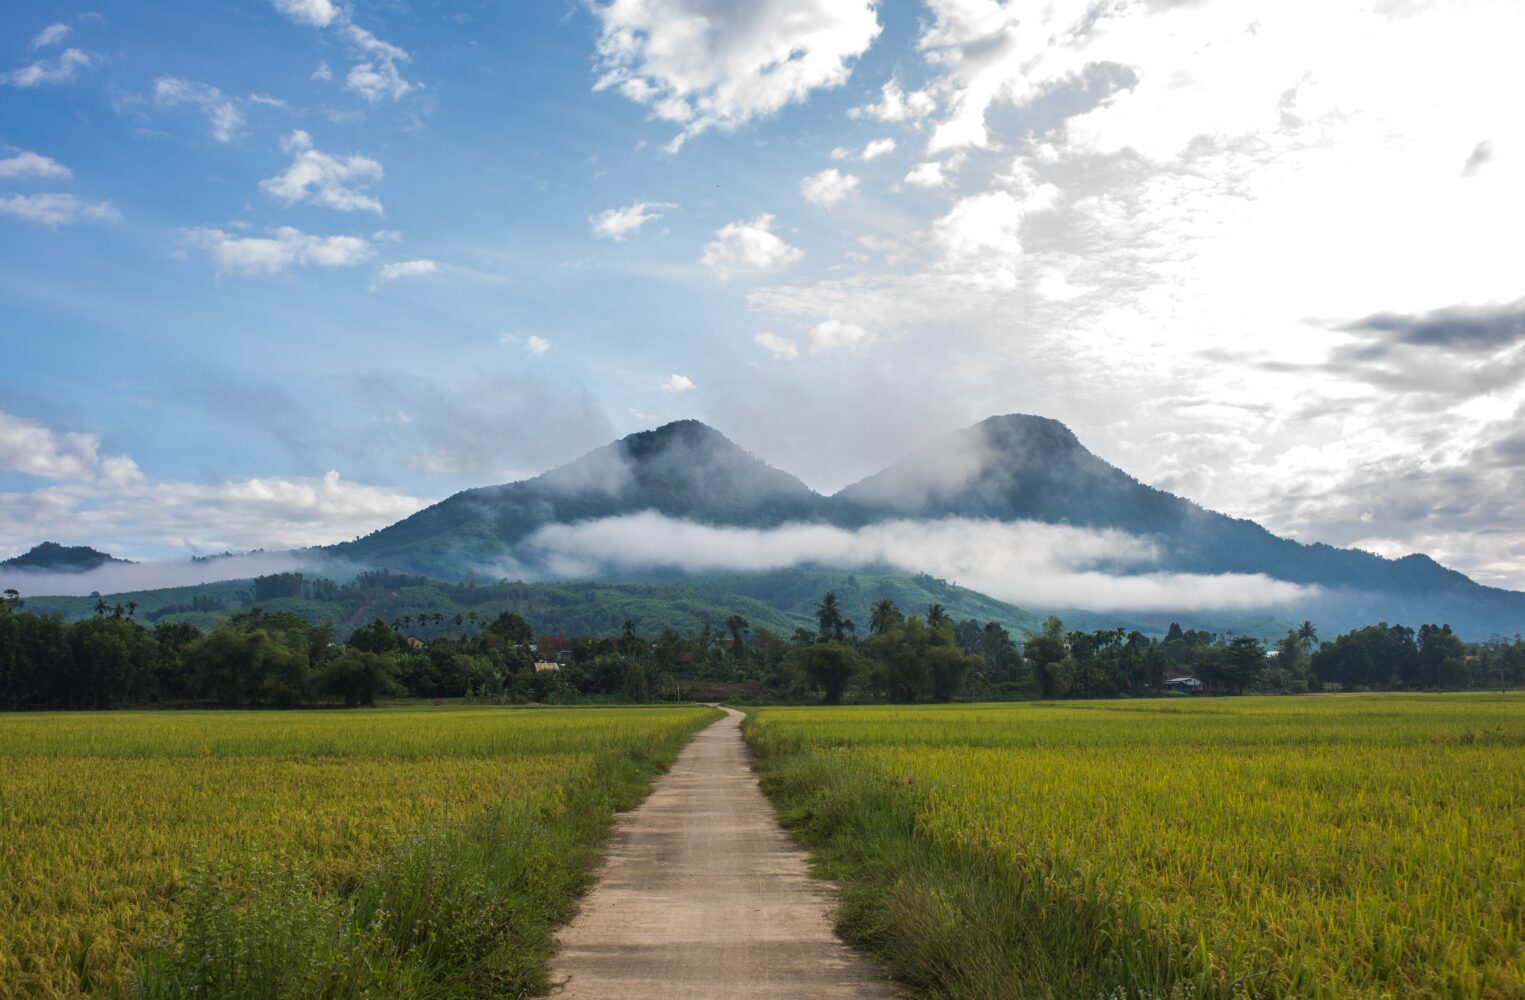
x=123, y=578
x=1023, y=562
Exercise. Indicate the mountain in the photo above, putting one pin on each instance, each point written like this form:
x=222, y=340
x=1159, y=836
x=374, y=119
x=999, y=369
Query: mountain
x=54, y=558
x=1007, y=468
x=684, y=470
x=1021, y=467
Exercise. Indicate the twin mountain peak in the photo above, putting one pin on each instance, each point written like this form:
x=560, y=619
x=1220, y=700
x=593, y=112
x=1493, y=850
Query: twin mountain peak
x=1016, y=467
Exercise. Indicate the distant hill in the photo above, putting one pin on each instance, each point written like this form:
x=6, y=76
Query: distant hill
x=1016, y=467
x=567, y=608
x=54, y=558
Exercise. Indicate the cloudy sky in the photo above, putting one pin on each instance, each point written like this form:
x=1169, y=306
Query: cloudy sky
x=277, y=272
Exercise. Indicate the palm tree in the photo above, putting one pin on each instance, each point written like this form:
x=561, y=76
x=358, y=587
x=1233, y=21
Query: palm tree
x=829, y=614
x=1308, y=635
x=936, y=616
x=885, y=616
x=737, y=624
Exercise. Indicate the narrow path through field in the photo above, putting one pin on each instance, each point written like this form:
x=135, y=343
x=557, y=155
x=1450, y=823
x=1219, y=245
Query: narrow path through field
x=703, y=895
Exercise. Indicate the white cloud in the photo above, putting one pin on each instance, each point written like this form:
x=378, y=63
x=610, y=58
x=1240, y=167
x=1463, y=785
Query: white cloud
x=222, y=113
x=783, y=350
x=29, y=447
x=375, y=80
x=378, y=76
x=56, y=209
x=1022, y=562
x=927, y=175
x=841, y=153
x=44, y=71
x=51, y=35
x=534, y=345
x=877, y=148
x=828, y=187
x=27, y=164
x=404, y=269
x=373, y=46
x=285, y=248
x=703, y=65
x=895, y=105
x=677, y=383
x=618, y=223
x=317, y=13
x=324, y=179
x=834, y=335
x=748, y=247
x=1055, y=285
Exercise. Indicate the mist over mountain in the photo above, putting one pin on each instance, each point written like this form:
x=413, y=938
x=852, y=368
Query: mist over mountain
x=684, y=470
x=1015, y=503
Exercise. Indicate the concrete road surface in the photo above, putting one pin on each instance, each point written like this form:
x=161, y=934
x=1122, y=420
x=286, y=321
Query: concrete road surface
x=703, y=896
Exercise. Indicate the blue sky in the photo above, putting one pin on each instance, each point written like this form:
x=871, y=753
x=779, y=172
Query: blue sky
x=277, y=273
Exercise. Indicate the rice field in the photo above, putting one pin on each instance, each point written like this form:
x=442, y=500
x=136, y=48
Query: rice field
x=1347, y=846
x=122, y=835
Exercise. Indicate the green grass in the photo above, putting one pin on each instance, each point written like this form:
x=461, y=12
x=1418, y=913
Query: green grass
x=397, y=853
x=1311, y=847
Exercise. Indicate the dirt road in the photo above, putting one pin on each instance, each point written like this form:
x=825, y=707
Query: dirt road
x=704, y=896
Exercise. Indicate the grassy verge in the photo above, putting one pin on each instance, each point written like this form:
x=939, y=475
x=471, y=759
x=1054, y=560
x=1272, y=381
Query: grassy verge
x=468, y=908
x=944, y=921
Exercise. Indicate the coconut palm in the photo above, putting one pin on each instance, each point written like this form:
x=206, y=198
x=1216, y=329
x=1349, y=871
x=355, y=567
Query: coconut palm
x=834, y=625
x=885, y=616
x=1308, y=636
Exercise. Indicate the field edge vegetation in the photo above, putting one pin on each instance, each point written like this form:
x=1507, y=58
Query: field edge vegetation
x=467, y=908
x=947, y=924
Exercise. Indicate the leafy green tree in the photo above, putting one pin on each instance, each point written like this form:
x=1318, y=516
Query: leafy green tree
x=510, y=625
x=1244, y=664
x=1442, y=658
x=374, y=638
x=234, y=666
x=360, y=676
x=827, y=665
x=1003, y=662
x=258, y=658
x=1050, y=660
x=1376, y=656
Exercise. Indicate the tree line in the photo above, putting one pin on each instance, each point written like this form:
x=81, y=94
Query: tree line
x=278, y=659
